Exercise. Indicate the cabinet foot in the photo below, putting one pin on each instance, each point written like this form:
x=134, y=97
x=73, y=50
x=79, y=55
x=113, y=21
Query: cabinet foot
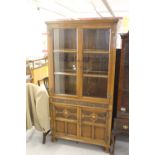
x=106, y=149
x=54, y=139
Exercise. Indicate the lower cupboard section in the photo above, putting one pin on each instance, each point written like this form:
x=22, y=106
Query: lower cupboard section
x=87, y=131
x=82, y=124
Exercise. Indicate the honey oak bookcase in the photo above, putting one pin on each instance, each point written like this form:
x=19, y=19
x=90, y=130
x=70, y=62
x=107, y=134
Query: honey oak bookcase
x=81, y=61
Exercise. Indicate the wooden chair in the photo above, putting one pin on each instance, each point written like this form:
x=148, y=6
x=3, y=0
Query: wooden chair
x=45, y=81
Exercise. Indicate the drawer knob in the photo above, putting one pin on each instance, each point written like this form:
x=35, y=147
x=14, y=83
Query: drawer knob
x=125, y=127
x=66, y=113
x=94, y=116
x=123, y=109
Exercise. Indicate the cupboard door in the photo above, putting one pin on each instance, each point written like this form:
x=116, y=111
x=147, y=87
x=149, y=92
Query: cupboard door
x=65, y=61
x=96, y=50
x=65, y=120
x=93, y=124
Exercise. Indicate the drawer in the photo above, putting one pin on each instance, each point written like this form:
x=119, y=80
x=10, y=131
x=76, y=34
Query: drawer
x=121, y=124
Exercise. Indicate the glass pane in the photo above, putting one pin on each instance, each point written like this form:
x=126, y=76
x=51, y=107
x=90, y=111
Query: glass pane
x=95, y=63
x=95, y=87
x=64, y=62
x=96, y=39
x=65, y=84
x=64, y=44
x=64, y=39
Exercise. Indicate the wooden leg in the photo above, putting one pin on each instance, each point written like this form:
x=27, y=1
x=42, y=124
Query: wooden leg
x=106, y=149
x=53, y=138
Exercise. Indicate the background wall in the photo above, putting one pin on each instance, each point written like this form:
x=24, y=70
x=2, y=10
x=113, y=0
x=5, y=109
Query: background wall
x=122, y=27
x=36, y=31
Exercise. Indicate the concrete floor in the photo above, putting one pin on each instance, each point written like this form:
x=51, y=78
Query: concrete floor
x=64, y=147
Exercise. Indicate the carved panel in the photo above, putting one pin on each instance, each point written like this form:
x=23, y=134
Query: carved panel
x=99, y=133
x=72, y=129
x=95, y=121
x=60, y=126
x=94, y=116
x=65, y=112
x=86, y=131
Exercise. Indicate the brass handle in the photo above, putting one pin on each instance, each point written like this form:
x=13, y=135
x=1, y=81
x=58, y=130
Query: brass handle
x=125, y=127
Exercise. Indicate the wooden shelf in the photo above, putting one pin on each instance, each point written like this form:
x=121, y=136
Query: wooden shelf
x=95, y=75
x=65, y=50
x=94, y=51
x=84, y=51
x=95, y=72
x=64, y=73
x=85, y=75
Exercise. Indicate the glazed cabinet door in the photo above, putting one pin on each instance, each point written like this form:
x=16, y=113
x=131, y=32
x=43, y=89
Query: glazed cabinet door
x=82, y=61
x=64, y=61
x=96, y=51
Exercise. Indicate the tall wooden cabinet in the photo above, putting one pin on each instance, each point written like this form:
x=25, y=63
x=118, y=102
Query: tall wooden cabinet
x=121, y=122
x=121, y=103
x=81, y=79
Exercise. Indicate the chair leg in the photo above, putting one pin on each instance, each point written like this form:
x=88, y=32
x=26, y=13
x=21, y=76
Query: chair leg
x=44, y=136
